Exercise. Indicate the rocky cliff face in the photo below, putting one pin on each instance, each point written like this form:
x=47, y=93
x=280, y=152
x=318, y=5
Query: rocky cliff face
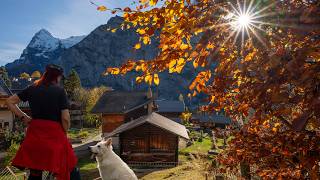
x=97, y=51
x=42, y=50
x=102, y=49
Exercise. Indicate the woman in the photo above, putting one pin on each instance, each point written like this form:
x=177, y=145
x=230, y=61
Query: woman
x=45, y=146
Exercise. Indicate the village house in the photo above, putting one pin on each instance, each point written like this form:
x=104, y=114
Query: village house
x=140, y=135
x=210, y=121
x=6, y=116
x=118, y=107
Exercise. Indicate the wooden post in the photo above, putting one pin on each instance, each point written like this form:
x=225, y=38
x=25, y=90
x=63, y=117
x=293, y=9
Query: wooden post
x=214, y=145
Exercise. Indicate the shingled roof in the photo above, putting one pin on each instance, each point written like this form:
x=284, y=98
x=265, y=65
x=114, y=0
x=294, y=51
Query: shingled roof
x=4, y=89
x=120, y=102
x=170, y=106
x=216, y=118
x=156, y=120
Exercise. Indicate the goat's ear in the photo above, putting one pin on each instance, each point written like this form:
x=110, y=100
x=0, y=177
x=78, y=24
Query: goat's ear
x=105, y=138
x=109, y=142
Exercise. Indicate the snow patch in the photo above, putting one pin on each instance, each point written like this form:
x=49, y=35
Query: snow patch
x=71, y=41
x=45, y=41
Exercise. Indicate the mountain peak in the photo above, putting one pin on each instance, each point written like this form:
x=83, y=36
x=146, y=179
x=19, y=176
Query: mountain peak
x=44, y=31
x=44, y=40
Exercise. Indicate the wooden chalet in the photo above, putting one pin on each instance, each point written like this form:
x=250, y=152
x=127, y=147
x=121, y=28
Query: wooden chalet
x=117, y=108
x=150, y=140
x=170, y=109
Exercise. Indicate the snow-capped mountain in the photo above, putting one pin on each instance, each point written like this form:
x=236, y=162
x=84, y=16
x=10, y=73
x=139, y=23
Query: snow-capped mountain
x=42, y=50
x=97, y=51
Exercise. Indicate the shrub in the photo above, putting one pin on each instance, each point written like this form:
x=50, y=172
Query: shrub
x=83, y=134
x=11, y=152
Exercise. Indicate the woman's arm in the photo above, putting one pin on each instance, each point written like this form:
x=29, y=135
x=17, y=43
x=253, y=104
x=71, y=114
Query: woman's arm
x=12, y=102
x=65, y=119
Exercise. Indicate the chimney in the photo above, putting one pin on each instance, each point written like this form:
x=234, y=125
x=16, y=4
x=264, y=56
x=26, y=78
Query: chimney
x=149, y=96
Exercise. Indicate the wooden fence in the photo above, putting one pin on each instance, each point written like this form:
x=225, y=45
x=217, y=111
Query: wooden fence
x=153, y=164
x=12, y=173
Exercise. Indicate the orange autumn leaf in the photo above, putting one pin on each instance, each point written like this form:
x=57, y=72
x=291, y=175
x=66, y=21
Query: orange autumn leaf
x=113, y=70
x=101, y=8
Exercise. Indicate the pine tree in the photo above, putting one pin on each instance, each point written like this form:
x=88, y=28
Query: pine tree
x=72, y=83
x=4, y=76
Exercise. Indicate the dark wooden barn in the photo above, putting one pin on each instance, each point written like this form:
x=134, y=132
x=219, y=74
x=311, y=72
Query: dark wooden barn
x=150, y=140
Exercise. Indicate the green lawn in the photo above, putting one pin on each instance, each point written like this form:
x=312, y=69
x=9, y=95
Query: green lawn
x=88, y=168
x=199, y=147
x=83, y=133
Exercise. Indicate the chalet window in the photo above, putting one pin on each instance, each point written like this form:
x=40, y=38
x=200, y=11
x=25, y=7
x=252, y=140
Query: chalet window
x=6, y=124
x=1, y=126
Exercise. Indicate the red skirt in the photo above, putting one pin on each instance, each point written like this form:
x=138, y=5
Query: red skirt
x=46, y=147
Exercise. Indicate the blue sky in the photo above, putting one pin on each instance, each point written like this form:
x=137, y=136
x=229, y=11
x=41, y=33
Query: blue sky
x=21, y=19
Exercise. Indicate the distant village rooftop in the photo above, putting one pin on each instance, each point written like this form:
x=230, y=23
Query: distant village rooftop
x=170, y=106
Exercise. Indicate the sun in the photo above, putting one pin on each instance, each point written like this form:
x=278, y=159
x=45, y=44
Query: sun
x=245, y=20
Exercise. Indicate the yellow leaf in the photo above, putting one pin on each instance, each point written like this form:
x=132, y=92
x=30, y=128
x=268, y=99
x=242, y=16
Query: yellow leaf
x=184, y=46
x=146, y=40
x=210, y=46
x=171, y=66
x=114, y=30
x=156, y=79
x=137, y=46
x=153, y=2
x=148, y=79
x=101, y=8
x=139, y=79
x=141, y=31
x=195, y=64
x=180, y=61
x=277, y=124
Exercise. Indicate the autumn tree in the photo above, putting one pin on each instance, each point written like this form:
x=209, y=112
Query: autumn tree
x=88, y=98
x=36, y=74
x=72, y=83
x=24, y=75
x=266, y=59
